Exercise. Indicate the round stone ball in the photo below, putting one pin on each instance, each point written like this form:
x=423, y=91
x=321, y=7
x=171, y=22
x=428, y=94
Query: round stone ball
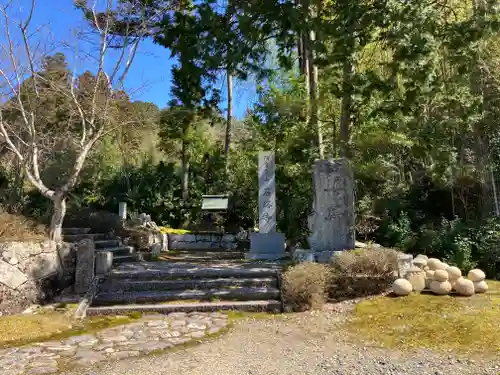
x=480, y=287
x=433, y=263
x=402, y=287
x=422, y=256
x=442, y=266
x=440, y=275
x=440, y=287
x=420, y=262
x=464, y=287
x=426, y=268
x=416, y=277
x=429, y=276
x=476, y=275
x=454, y=273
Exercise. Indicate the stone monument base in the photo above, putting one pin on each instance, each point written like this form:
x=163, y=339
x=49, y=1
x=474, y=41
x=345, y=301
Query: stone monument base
x=266, y=246
x=325, y=256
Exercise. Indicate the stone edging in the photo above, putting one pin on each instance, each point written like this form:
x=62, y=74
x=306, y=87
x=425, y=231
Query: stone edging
x=150, y=334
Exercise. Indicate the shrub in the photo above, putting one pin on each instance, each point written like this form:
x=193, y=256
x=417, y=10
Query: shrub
x=304, y=286
x=373, y=262
x=487, y=248
x=362, y=272
x=97, y=220
x=17, y=227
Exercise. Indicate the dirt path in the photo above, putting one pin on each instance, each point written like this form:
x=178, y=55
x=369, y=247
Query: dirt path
x=302, y=344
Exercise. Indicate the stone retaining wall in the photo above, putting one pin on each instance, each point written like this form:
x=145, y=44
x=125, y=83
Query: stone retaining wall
x=31, y=271
x=202, y=241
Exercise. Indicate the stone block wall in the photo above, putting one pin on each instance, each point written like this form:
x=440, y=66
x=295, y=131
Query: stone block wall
x=202, y=241
x=33, y=271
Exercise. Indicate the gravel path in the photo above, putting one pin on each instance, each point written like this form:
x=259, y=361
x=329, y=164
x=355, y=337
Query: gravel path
x=301, y=344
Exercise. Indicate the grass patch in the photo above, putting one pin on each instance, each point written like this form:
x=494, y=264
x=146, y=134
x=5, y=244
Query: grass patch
x=427, y=321
x=18, y=330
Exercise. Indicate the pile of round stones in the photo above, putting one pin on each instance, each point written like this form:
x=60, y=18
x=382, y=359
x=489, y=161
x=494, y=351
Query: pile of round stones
x=148, y=335
x=440, y=278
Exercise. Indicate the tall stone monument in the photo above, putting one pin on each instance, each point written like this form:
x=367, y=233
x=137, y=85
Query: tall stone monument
x=332, y=221
x=267, y=192
x=267, y=244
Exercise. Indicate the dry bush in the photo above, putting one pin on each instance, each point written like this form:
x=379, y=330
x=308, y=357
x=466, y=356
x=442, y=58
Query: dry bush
x=362, y=272
x=373, y=262
x=304, y=286
x=19, y=228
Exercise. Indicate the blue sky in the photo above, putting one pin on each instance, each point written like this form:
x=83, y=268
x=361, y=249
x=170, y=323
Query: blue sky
x=151, y=68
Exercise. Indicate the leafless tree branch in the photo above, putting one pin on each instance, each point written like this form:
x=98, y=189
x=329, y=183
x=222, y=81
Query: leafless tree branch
x=89, y=117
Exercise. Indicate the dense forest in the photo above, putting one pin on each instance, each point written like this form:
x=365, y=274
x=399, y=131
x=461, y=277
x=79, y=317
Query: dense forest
x=408, y=91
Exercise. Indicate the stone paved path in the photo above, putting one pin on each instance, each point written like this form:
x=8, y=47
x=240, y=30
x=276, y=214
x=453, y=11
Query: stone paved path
x=151, y=334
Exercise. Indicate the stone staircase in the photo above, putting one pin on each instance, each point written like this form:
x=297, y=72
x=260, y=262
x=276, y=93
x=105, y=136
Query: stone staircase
x=103, y=242
x=181, y=281
x=190, y=281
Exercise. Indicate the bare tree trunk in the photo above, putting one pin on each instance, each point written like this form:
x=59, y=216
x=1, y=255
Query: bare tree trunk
x=305, y=72
x=334, y=140
x=185, y=171
x=56, y=222
x=313, y=98
x=300, y=53
x=229, y=120
x=310, y=72
x=346, y=110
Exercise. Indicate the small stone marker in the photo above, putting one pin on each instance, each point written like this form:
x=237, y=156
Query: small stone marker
x=103, y=262
x=84, y=272
x=122, y=210
x=267, y=244
x=332, y=220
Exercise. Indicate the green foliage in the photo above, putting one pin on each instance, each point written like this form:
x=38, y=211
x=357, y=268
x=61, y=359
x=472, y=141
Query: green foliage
x=422, y=127
x=487, y=248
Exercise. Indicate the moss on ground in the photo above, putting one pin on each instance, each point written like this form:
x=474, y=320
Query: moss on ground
x=428, y=321
x=18, y=330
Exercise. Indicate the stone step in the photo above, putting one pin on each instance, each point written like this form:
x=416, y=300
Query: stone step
x=136, y=286
x=205, y=250
x=119, y=250
x=189, y=256
x=279, y=255
x=107, y=243
x=191, y=271
x=88, y=236
x=119, y=259
x=151, y=296
x=251, y=306
x=76, y=230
